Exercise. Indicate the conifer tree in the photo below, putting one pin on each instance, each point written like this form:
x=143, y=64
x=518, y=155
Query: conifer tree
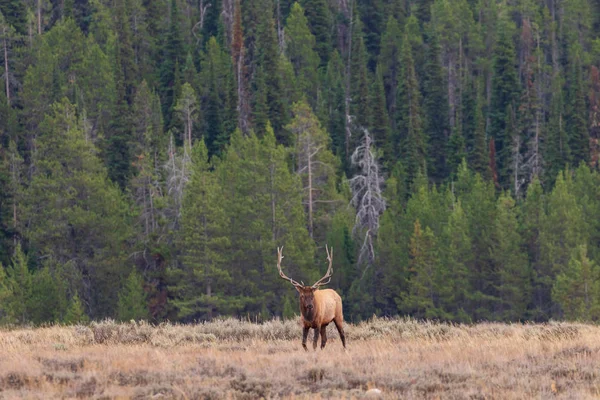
x=421, y=300
x=132, y=299
x=505, y=96
x=380, y=125
x=200, y=286
x=19, y=283
x=172, y=54
x=577, y=115
x=317, y=168
x=511, y=263
x=73, y=210
x=576, y=289
x=409, y=138
x=457, y=255
x=300, y=48
x=435, y=108
x=75, y=313
x=557, y=151
x=389, y=59
x=319, y=22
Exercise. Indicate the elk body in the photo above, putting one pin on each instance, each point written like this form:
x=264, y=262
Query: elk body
x=318, y=307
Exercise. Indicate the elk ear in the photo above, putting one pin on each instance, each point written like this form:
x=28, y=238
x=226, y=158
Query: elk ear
x=297, y=289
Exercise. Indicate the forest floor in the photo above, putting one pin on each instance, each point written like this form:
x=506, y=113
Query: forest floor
x=231, y=359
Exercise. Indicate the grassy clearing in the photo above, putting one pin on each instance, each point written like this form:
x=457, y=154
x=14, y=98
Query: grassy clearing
x=233, y=359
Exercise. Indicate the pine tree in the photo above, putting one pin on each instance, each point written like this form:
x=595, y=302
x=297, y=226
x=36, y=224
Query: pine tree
x=172, y=54
x=505, y=95
x=380, y=125
x=300, y=48
x=217, y=97
x=132, y=299
x=533, y=211
x=47, y=302
x=73, y=210
x=577, y=115
x=557, y=151
x=187, y=110
x=316, y=166
x=359, y=78
x=435, y=107
x=576, y=289
x=511, y=263
x=199, y=290
x=458, y=256
x=389, y=58
x=421, y=300
x=409, y=137
x=75, y=314
x=319, y=22
x=19, y=283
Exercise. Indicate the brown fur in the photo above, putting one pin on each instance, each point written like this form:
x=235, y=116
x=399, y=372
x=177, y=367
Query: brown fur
x=319, y=308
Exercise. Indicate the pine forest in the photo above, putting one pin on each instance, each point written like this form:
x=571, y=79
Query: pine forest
x=155, y=153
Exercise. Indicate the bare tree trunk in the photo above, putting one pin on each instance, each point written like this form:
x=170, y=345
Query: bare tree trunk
x=39, y=16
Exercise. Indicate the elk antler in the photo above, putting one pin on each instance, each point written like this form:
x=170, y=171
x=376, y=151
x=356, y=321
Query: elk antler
x=279, y=258
x=329, y=270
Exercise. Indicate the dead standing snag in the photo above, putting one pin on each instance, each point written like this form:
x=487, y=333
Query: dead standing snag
x=318, y=307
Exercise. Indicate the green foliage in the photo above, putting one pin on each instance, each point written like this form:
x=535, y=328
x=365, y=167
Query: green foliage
x=300, y=48
x=470, y=105
x=576, y=290
x=75, y=313
x=132, y=299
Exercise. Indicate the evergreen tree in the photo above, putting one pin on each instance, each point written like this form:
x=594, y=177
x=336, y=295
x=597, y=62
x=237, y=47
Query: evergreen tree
x=47, y=302
x=435, y=107
x=319, y=22
x=409, y=136
x=557, y=151
x=422, y=298
x=510, y=262
x=200, y=286
x=317, y=167
x=389, y=58
x=577, y=115
x=76, y=217
x=263, y=206
x=359, y=78
x=576, y=289
x=172, y=53
x=458, y=257
x=217, y=97
x=505, y=95
x=300, y=45
x=132, y=299
x=380, y=125
x=75, y=313
x=533, y=211
x=19, y=284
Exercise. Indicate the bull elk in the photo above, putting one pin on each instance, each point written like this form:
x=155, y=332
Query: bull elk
x=318, y=307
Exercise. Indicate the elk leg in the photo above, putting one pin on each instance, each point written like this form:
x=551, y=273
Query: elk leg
x=323, y=336
x=315, y=338
x=304, y=336
x=340, y=328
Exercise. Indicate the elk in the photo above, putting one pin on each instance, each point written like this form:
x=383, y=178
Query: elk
x=318, y=307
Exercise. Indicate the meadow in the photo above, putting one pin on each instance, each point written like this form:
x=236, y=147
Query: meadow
x=232, y=359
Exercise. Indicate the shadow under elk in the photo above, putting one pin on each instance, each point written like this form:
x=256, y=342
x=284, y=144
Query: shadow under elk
x=318, y=307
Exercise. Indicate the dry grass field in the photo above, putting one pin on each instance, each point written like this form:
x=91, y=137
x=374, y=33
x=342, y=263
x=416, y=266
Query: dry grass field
x=229, y=359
